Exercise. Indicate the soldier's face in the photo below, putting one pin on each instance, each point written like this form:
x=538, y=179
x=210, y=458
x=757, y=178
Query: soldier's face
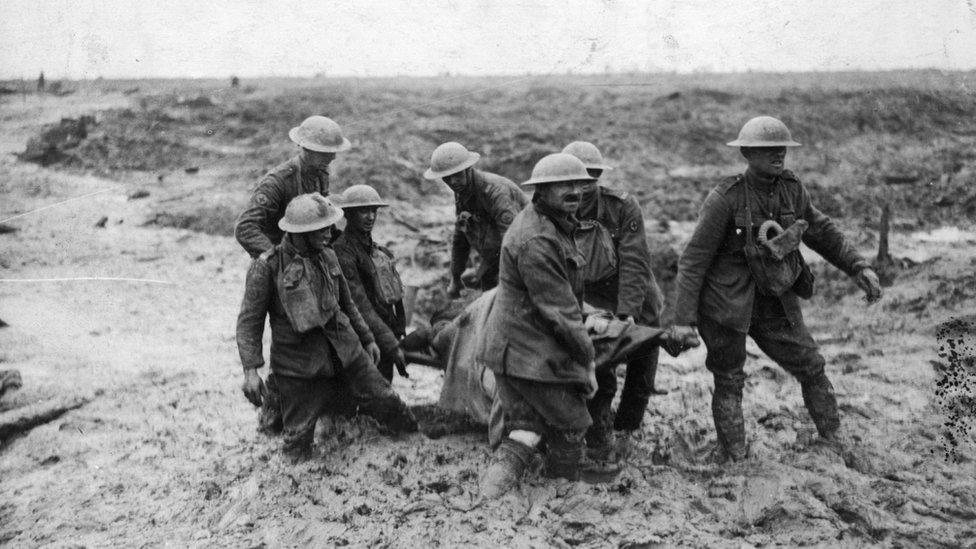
x=361, y=219
x=765, y=160
x=317, y=160
x=563, y=196
x=457, y=181
x=313, y=241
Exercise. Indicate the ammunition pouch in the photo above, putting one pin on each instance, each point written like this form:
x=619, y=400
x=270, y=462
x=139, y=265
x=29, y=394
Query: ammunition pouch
x=389, y=287
x=773, y=276
x=303, y=306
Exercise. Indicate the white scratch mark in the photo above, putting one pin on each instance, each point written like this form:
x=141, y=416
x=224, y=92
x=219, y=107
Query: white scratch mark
x=57, y=204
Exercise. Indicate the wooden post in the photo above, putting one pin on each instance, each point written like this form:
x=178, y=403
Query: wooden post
x=884, y=255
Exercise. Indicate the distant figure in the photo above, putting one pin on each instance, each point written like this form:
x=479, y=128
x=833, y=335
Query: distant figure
x=485, y=205
x=40, y=82
x=235, y=82
x=736, y=279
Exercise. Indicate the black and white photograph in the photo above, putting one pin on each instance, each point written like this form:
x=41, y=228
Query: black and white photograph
x=459, y=273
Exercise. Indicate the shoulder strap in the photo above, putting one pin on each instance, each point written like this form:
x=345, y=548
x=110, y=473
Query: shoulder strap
x=745, y=196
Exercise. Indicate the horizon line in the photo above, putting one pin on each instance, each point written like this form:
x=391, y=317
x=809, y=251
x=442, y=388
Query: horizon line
x=524, y=75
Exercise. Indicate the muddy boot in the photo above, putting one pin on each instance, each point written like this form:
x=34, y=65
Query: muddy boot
x=564, y=453
x=599, y=437
x=729, y=423
x=818, y=395
x=599, y=464
x=269, y=418
x=508, y=463
x=297, y=441
x=596, y=471
x=624, y=443
x=392, y=414
x=651, y=376
x=638, y=388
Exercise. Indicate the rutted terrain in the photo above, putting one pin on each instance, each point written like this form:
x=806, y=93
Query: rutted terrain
x=166, y=453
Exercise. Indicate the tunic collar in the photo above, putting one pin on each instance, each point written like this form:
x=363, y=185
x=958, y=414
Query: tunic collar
x=310, y=180
x=360, y=238
x=760, y=182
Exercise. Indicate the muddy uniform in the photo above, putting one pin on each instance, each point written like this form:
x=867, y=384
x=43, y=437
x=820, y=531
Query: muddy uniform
x=377, y=290
x=257, y=231
x=484, y=212
x=717, y=292
x=323, y=360
x=257, y=227
x=535, y=342
x=619, y=279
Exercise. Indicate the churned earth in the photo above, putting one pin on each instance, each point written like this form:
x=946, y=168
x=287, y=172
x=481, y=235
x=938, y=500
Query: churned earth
x=164, y=452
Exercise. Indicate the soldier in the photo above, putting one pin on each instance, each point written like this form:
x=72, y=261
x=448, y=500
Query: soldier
x=319, y=139
x=535, y=340
x=485, y=205
x=372, y=276
x=619, y=279
x=317, y=334
x=733, y=280
x=307, y=172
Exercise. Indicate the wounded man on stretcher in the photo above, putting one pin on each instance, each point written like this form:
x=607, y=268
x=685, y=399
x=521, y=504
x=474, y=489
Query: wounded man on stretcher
x=469, y=388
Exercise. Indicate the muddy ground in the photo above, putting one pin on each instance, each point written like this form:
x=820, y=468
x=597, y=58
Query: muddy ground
x=166, y=453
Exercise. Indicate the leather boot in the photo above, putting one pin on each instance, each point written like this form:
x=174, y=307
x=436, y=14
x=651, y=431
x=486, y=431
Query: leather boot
x=508, y=463
x=729, y=423
x=392, y=414
x=599, y=436
x=269, y=418
x=638, y=388
x=563, y=456
x=818, y=396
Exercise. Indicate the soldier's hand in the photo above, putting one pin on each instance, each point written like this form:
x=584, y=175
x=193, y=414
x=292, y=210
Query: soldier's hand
x=679, y=339
x=596, y=324
x=454, y=289
x=253, y=387
x=591, y=384
x=373, y=350
x=400, y=362
x=867, y=279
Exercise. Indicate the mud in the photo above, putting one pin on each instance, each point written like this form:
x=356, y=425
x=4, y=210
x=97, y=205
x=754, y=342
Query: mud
x=166, y=452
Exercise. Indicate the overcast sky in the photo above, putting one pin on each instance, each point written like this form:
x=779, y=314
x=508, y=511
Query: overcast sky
x=113, y=38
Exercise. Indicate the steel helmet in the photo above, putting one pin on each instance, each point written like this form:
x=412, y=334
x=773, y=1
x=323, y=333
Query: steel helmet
x=360, y=196
x=320, y=134
x=559, y=167
x=588, y=153
x=450, y=158
x=309, y=212
x=764, y=131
